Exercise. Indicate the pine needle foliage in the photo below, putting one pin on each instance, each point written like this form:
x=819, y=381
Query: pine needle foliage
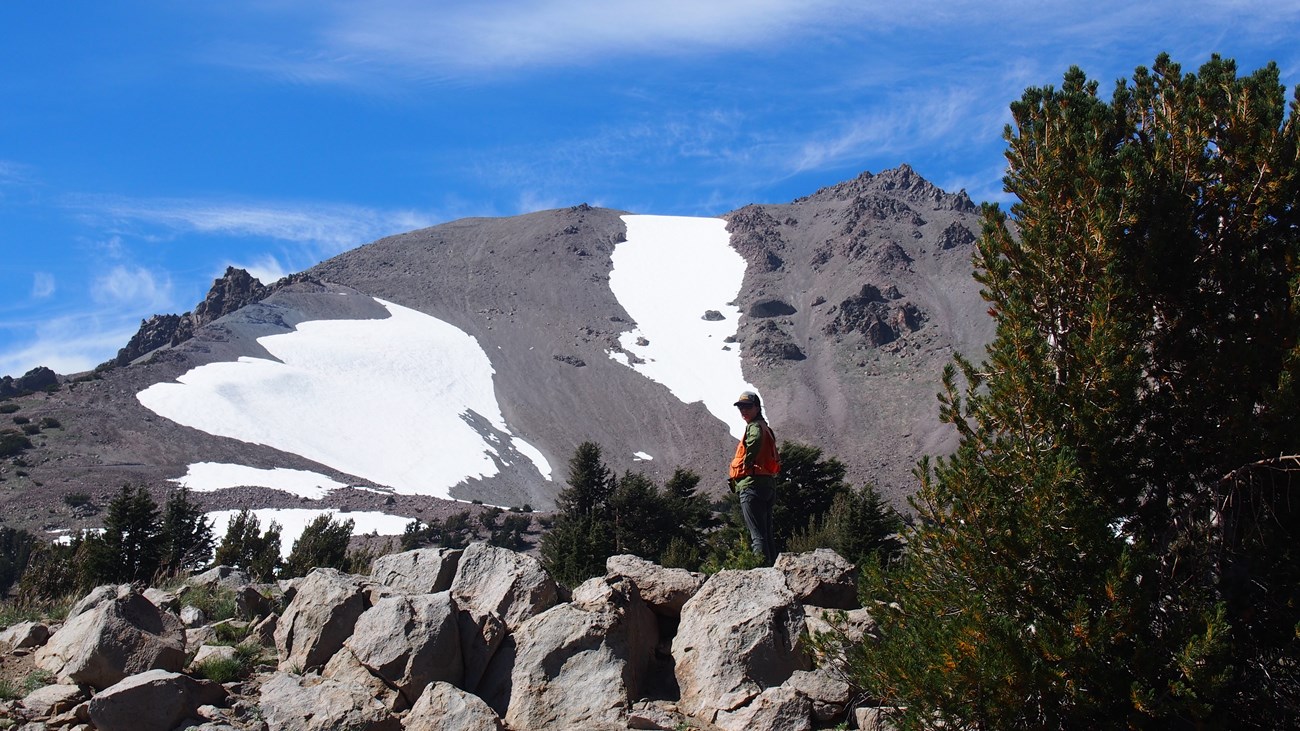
x=1094, y=554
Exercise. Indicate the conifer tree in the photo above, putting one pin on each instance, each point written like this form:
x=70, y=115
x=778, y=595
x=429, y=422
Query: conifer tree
x=1079, y=562
x=323, y=543
x=247, y=547
x=185, y=535
x=129, y=549
x=581, y=538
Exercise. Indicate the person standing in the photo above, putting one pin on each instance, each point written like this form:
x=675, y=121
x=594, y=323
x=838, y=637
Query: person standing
x=753, y=475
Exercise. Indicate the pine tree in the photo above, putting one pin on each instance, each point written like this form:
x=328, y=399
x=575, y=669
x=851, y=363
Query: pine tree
x=323, y=543
x=581, y=538
x=247, y=547
x=186, y=534
x=1076, y=563
x=129, y=549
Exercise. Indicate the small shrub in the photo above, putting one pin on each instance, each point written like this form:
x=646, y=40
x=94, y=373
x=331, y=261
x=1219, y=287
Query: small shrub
x=231, y=633
x=49, y=422
x=216, y=602
x=31, y=429
x=220, y=669
x=20, y=420
x=8, y=408
x=13, y=442
x=76, y=499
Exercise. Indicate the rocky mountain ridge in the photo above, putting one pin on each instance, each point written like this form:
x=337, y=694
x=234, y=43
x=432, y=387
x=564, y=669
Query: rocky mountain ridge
x=853, y=300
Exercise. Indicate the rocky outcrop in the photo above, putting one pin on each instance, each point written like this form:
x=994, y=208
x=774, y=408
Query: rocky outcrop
x=116, y=638
x=643, y=647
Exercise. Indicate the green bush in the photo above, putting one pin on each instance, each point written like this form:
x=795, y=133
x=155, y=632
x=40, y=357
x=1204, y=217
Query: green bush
x=323, y=544
x=49, y=422
x=13, y=442
x=216, y=602
x=20, y=420
x=230, y=670
x=8, y=408
x=76, y=499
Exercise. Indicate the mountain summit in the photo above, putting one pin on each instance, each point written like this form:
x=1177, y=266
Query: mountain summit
x=468, y=360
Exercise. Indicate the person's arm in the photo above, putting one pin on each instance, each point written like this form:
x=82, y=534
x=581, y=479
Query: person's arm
x=753, y=442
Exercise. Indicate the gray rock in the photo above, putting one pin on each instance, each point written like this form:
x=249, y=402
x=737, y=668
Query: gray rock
x=156, y=700
x=25, y=634
x=118, y=637
x=444, y=707
x=422, y=571
x=512, y=585
x=193, y=616
x=95, y=597
x=821, y=578
x=738, y=635
x=51, y=700
x=225, y=576
x=324, y=610
x=664, y=590
x=829, y=695
x=410, y=641
x=775, y=709
x=346, y=668
x=579, y=665
x=214, y=652
x=311, y=703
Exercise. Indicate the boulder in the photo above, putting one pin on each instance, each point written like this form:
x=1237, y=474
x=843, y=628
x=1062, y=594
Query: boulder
x=116, y=638
x=214, y=652
x=251, y=603
x=821, y=578
x=664, y=590
x=51, y=700
x=829, y=695
x=579, y=665
x=325, y=608
x=223, y=576
x=264, y=631
x=514, y=586
x=444, y=707
x=738, y=635
x=422, y=571
x=844, y=628
x=95, y=597
x=193, y=616
x=165, y=600
x=481, y=635
x=410, y=641
x=311, y=703
x=25, y=634
x=775, y=709
x=156, y=700
x=346, y=668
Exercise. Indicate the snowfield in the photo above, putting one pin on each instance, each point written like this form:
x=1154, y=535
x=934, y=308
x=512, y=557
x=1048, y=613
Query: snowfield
x=669, y=272
x=390, y=400
x=384, y=400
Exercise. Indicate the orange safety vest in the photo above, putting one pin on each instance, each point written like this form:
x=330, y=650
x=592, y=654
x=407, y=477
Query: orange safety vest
x=766, y=463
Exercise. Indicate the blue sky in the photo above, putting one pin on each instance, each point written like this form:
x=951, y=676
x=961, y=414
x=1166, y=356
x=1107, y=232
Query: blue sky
x=145, y=146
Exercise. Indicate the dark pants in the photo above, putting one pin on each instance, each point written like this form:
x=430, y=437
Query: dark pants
x=756, y=500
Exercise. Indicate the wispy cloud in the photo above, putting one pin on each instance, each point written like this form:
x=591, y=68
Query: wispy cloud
x=42, y=285
x=133, y=287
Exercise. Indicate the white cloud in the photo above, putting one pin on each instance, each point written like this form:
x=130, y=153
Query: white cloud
x=132, y=286
x=42, y=285
x=266, y=269
x=336, y=227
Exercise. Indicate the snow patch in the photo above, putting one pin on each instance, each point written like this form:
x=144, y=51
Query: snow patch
x=669, y=272
x=401, y=402
x=213, y=476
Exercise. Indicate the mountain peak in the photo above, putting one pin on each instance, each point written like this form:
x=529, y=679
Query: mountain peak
x=902, y=182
